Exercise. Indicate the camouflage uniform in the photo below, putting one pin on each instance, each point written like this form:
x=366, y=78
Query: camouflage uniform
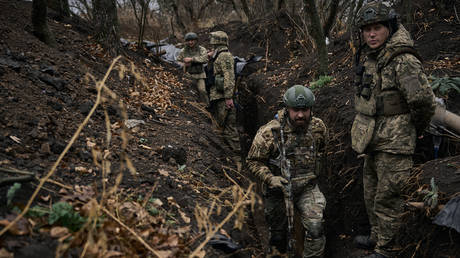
x=304, y=151
x=401, y=104
x=222, y=90
x=195, y=71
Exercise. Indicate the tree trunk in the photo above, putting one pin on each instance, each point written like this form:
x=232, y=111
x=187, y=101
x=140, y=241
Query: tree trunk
x=246, y=10
x=331, y=18
x=316, y=30
x=408, y=9
x=105, y=20
x=61, y=7
x=179, y=22
x=40, y=23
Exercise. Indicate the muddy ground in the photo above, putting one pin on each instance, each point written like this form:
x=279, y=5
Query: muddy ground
x=179, y=160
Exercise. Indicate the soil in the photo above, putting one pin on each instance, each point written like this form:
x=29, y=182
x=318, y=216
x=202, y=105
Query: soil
x=177, y=155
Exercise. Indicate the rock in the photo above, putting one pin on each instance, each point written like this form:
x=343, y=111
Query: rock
x=56, y=106
x=49, y=70
x=177, y=153
x=57, y=147
x=11, y=64
x=45, y=148
x=86, y=107
x=57, y=83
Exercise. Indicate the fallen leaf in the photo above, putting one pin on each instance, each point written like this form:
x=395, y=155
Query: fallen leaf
x=5, y=254
x=57, y=232
x=81, y=169
x=157, y=203
x=184, y=217
x=163, y=172
x=20, y=228
x=16, y=139
x=45, y=198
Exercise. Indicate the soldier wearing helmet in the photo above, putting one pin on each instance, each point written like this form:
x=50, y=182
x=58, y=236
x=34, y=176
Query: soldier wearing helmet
x=394, y=104
x=222, y=91
x=304, y=142
x=193, y=57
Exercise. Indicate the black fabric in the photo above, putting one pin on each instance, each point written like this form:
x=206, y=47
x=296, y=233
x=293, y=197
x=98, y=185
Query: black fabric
x=450, y=215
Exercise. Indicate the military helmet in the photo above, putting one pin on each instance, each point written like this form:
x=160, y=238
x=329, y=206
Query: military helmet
x=191, y=36
x=299, y=96
x=219, y=38
x=374, y=12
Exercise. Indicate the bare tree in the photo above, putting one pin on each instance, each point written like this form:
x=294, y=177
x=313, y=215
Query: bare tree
x=84, y=8
x=333, y=8
x=105, y=19
x=316, y=30
x=140, y=9
x=40, y=22
x=61, y=7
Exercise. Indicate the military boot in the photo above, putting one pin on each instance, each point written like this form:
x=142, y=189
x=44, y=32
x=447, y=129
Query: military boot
x=364, y=242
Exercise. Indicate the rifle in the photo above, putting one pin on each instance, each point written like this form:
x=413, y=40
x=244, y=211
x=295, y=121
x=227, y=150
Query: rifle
x=288, y=198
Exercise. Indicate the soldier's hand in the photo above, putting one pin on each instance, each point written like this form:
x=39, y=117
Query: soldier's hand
x=277, y=182
x=229, y=103
x=188, y=60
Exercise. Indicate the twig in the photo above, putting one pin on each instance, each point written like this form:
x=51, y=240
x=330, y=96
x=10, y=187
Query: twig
x=99, y=87
x=456, y=15
x=10, y=180
x=222, y=223
x=16, y=171
x=132, y=232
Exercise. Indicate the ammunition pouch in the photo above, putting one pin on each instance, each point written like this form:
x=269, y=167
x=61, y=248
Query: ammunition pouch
x=303, y=182
x=219, y=82
x=195, y=68
x=366, y=107
x=361, y=132
x=390, y=103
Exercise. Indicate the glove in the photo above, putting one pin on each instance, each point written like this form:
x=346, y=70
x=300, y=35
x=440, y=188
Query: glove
x=277, y=182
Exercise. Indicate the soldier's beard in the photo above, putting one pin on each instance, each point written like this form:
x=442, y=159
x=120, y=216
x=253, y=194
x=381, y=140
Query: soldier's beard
x=300, y=124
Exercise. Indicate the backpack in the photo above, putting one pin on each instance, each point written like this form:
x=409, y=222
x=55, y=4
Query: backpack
x=209, y=70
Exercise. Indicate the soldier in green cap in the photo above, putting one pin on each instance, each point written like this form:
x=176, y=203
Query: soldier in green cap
x=394, y=104
x=222, y=92
x=297, y=138
x=193, y=57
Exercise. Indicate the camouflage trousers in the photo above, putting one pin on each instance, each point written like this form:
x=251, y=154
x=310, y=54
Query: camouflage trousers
x=310, y=204
x=201, y=88
x=384, y=178
x=226, y=119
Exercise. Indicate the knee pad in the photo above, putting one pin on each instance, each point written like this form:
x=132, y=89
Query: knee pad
x=314, y=229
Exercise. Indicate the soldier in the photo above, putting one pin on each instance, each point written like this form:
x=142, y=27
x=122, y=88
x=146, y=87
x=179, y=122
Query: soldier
x=222, y=92
x=394, y=104
x=304, y=141
x=193, y=57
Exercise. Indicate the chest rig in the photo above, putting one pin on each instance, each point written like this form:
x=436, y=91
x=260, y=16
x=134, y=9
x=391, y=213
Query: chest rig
x=194, y=68
x=373, y=97
x=300, y=151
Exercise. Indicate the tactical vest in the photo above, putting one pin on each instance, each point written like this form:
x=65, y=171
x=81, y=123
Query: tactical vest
x=301, y=152
x=370, y=99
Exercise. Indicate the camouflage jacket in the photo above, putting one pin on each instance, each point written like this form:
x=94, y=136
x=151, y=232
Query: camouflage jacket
x=303, y=149
x=223, y=66
x=199, y=55
x=404, y=74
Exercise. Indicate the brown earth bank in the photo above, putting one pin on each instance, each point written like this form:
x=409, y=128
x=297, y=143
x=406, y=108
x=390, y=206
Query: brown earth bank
x=183, y=185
